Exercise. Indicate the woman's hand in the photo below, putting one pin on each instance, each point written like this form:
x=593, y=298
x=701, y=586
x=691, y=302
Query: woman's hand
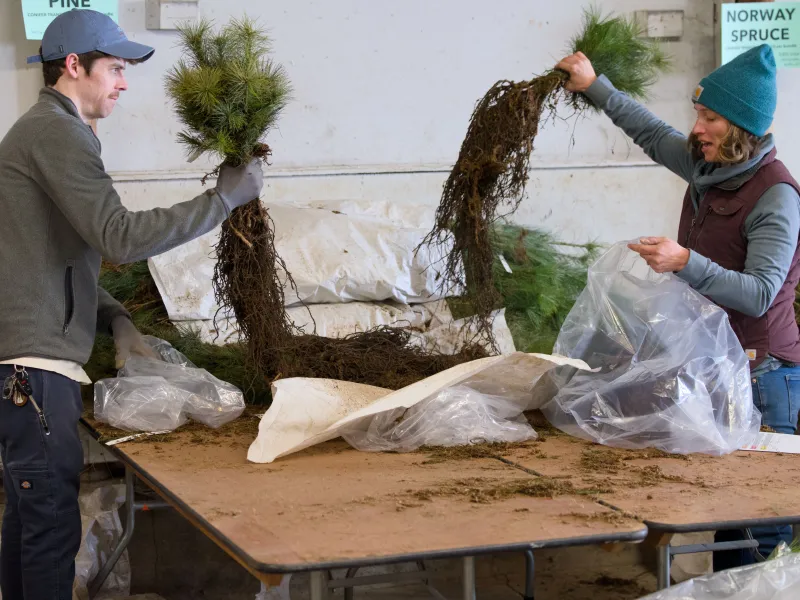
x=663, y=255
x=581, y=72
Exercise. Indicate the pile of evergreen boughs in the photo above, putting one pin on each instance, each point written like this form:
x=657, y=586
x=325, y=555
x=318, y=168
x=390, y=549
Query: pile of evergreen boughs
x=490, y=175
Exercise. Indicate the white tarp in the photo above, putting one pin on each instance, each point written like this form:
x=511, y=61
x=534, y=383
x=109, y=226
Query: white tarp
x=336, y=320
x=431, y=323
x=307, y=411
x=333, y=257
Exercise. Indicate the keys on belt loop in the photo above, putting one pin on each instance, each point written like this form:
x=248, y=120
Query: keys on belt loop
x=17, y=388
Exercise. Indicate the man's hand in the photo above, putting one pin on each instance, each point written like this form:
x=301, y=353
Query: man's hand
x=581, y=72
x=129, y=341
x=662, y=254
x=239, y=185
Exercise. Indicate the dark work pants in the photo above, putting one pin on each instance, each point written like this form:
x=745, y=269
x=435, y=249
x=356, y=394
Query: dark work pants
x=41, y=532
x=777, y=395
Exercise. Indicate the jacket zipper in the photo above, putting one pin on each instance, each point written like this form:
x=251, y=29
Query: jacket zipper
x=69, y=298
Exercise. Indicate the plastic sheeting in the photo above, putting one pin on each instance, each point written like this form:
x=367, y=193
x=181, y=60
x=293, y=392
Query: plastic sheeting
x=333, y=257
x=306, y=411
x=456, y=416
x=670, y=372
x=160, y=395
x=777, y=579
x=102, y=530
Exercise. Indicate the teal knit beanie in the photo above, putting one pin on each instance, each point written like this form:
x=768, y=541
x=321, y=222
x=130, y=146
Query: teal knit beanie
x=744, y=90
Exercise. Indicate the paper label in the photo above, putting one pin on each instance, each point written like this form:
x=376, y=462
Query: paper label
x=774, y=442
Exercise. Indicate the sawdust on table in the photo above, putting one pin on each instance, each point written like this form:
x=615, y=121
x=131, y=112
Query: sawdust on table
x=440, y=454
x=613, y=461
x=485, y=490
x=240, y=431
x=611, y=517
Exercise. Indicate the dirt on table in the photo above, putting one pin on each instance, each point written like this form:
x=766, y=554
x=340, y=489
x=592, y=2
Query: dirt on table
x=486, y=490
x=439, y=454
x=241, y=431
x=611, y=460
x=612, y=517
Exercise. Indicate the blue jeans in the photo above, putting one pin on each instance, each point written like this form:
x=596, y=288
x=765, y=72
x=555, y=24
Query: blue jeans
x=777, y=395
x=41, y=531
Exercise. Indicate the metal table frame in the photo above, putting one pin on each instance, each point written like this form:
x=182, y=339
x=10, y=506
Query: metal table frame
x=666, y=550
x=321, y=579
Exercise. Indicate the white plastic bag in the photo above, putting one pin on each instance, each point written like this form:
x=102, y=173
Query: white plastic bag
x=777, y=579
x=159, y=395
x=670, y=373
x=102, y=530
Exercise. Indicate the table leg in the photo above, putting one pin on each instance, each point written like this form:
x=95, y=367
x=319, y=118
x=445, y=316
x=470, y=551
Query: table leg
x=130, y=511
x=349, y=593
x=529, y=575
x=663, y=566
x=319, y=585
x=469, y=578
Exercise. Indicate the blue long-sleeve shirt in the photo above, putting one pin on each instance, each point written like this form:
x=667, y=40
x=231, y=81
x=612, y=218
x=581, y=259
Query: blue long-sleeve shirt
x=771, y=229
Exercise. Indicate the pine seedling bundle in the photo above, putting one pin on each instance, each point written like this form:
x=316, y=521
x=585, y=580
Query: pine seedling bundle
x=490, y=175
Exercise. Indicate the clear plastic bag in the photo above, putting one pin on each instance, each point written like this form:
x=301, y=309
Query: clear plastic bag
x=210, y=401
x=140, y=403
x=669, y=372
x=485, y=407
x=167, y=353
x=156, y=395
x=777, y=579
x=102, y=530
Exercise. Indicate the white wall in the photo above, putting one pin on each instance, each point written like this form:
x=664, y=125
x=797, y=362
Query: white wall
x=383, y=95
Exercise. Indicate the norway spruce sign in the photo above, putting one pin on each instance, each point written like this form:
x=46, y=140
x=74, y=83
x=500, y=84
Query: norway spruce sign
x=744, y=26
x=38, y=14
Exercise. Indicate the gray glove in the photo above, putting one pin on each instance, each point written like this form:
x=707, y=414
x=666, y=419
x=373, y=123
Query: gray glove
x=239, y=185
x=128, y=341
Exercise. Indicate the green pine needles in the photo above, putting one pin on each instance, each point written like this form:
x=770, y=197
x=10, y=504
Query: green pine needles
x=618, y=50
x=226, y=91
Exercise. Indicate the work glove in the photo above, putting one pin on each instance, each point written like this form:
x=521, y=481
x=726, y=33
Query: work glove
x=129, y=342
x=239, y=185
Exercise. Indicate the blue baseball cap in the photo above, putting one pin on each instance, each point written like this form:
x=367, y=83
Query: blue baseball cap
x=79, y=31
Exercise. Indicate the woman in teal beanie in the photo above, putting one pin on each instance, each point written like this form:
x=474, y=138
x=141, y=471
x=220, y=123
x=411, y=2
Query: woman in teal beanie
x=737, y=240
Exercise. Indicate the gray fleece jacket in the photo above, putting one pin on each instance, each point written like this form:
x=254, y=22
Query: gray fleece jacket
x=60, y=215
x=771, y=229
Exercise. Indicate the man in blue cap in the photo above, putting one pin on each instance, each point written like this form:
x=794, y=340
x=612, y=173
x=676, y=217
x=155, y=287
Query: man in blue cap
x=61, y=214
x=739, y=228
